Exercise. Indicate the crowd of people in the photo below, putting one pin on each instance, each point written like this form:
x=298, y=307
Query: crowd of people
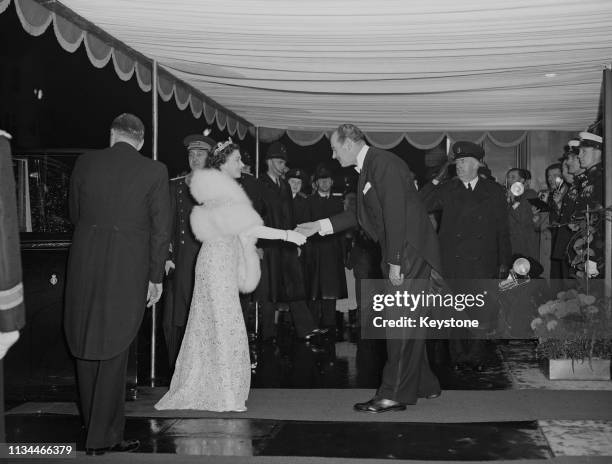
x=218, y=240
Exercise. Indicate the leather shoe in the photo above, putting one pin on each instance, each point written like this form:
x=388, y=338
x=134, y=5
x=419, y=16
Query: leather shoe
x=125, y=446
x=95, y=451
x=433, y=396
x=378, y=405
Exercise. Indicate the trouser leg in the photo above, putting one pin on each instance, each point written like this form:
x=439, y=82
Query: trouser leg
x=407, y=375
x=302, y=318
x=102, y=396
x=267, y=324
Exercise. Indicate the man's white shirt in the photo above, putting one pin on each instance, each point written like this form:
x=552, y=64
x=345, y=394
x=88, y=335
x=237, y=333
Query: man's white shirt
x=325, y=225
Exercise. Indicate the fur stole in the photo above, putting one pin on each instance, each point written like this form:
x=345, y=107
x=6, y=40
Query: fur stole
x=224, y=210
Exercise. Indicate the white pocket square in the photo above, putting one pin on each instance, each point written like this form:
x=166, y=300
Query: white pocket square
x=367, y=187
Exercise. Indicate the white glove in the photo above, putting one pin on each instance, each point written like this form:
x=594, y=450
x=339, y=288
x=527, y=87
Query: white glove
x=7, y=339
x=169, y=266
x=295, y=237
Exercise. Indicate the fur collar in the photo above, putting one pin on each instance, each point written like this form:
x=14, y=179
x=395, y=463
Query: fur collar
x=224, y=208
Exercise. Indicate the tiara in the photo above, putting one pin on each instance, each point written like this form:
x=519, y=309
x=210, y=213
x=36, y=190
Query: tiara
x=222, y=145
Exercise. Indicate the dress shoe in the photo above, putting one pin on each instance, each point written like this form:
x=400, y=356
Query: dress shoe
x=95, y=451
x=377, y=405
x=125, y=446
x=433, y=396
x=311, y=335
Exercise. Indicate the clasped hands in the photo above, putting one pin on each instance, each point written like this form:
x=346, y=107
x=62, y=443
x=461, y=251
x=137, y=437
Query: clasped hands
x=308, y=229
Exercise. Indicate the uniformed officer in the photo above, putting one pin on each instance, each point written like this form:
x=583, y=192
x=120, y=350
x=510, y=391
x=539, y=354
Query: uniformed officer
x=474, y=236
x=325, y=255
x=590, y=198
x=573, y=174
x=12, y=311
x=184, y=248
x=282, y=277
x=295, y=178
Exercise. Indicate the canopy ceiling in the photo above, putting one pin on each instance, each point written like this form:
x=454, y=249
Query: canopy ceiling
x=401, y=65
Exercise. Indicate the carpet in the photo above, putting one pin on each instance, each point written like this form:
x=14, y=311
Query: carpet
x=336, y=405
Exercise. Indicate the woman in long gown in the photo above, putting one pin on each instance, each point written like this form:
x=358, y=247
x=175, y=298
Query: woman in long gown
x=213, y=369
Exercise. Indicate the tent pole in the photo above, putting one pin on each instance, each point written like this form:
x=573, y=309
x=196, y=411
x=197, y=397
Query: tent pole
x=607, y=165
x=257, y=152
x=257, y=177
x=154, y=151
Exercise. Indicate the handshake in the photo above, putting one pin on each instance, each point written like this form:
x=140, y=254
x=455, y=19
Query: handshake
x=302, y=232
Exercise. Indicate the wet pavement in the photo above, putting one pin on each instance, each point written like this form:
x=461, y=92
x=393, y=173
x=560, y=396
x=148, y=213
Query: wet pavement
x=256, y=437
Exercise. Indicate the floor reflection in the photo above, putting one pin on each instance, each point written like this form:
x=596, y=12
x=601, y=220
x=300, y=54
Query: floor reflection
x=257, y=437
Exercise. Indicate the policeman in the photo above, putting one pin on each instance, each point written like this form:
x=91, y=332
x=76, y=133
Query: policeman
x=295, y=178
x=184, y=248
x=325, y=256
x=282, y=276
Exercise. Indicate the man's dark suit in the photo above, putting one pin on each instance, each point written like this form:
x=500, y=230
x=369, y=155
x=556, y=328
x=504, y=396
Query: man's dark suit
x=12, y=311
x=120, y=205
x=391, y=212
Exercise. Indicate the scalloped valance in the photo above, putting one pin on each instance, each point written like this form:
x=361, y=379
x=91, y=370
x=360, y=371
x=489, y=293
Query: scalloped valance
x=36, y=19
x=388, y=140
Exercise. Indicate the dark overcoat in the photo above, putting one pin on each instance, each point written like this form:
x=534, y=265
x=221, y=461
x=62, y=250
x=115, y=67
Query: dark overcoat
x=474, y=237
x=253, y=190
x=12, y=311
x=282, y=277
x=301, y=208
x=120, y=206
x=183, y=252
x=524, y=237
x=324, y=257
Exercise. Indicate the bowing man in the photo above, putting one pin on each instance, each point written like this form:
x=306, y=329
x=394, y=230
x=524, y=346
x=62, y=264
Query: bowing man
x=391, y=212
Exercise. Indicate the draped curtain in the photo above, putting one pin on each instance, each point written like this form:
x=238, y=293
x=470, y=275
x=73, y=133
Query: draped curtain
x=35, y=19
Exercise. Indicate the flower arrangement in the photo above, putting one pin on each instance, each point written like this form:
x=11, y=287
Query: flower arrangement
x=574, y=326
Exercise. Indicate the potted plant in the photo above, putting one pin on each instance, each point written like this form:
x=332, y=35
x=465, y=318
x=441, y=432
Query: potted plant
x=574, y=336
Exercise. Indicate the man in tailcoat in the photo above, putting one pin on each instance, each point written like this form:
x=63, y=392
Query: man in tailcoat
x=474, y=236
x=12, y=310
x=120, y=206
x=324, y=255
x=391, y=212
x=282, y=278
x=183, y=250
